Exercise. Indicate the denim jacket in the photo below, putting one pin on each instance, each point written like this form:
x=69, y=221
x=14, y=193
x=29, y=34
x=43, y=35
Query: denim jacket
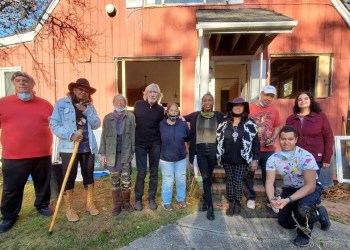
x=63, y=124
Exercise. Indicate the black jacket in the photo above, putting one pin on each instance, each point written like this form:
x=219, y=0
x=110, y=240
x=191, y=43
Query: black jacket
x=192, y=119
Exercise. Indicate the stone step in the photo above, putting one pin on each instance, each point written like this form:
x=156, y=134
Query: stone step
x=220, y=188
x=219, y=173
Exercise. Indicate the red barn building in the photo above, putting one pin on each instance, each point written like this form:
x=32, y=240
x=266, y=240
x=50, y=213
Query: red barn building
x=228, y=47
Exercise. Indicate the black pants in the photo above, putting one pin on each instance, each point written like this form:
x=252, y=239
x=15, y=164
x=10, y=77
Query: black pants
x=304, y=210
x=206, y=160
x=87, y=165
x=141, y=152
x=15, y=175
x=248, y=179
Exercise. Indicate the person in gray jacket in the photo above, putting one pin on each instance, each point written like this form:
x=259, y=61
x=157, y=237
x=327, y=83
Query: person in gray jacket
x=117, y=150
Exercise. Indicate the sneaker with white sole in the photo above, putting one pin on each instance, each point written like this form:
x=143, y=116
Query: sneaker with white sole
x=275, y=210
x=251, y=204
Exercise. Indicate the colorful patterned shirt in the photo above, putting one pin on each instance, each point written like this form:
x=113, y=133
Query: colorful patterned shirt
x=291, y=164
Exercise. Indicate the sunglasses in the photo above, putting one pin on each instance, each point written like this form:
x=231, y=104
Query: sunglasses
x=83, y=90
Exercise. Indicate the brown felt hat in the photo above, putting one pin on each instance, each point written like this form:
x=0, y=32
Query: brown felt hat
x=83, y=83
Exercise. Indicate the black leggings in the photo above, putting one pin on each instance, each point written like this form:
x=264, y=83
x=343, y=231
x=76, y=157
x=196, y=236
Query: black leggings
x=206, y=160
x=87, y=164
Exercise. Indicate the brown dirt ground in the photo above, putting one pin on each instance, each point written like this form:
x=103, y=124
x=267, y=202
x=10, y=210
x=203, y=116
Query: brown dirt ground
x=337, y=202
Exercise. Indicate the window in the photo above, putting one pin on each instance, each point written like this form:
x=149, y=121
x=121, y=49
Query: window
x=140, y=3
x=307, y=72
x=6, y=86
x=134, y=74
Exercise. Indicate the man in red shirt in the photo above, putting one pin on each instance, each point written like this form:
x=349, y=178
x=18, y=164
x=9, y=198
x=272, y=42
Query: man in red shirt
x=266, y=116
x=26, y=149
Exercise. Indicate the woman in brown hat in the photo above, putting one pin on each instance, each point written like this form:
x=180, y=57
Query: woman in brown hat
x=70, y=114
x=238, y=147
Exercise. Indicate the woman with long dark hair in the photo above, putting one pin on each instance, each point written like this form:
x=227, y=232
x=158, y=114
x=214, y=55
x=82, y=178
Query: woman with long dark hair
x=238, y=147
x=70, y=114
x=203, y=125
x=314, y=131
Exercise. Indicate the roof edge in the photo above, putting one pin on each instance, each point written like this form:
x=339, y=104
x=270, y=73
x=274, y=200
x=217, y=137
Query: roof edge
x=342, y=10
x=30, y=35
x=247, y=27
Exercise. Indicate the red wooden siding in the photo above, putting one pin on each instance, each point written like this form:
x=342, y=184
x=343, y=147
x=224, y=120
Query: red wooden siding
x=170, y=31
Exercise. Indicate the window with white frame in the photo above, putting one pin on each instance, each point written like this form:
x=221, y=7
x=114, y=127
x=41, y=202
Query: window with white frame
x=291, y=74
x=145, y=3
x=6, y=86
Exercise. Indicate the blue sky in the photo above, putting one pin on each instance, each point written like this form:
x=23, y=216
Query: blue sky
x=19, y=18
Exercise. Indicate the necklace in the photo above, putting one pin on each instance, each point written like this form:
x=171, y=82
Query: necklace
x=235, y=133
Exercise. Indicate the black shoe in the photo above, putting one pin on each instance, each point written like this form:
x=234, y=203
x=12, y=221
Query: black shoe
x=231, y=208
x=301, y=241
x=210, y=213
x=203, y=206
x=324, y=219
x=138, y=206
x=153, y=205
x=237, y=208
x=45, y=211
x=6, y=225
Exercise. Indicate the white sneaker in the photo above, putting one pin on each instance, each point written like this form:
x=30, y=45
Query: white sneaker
x=251, y=204
x=275, y=210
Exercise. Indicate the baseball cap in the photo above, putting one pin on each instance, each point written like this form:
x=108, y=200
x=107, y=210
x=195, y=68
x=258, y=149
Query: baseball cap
x=269, y=89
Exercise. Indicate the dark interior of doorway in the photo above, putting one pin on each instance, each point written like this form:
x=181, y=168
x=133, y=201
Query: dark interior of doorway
x=141, y=72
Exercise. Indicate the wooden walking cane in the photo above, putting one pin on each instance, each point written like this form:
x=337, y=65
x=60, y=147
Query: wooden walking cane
x=69, y=168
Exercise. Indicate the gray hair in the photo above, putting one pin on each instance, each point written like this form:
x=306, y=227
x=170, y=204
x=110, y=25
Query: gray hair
x=152, y=87
x=120, y=95
x=23, y=74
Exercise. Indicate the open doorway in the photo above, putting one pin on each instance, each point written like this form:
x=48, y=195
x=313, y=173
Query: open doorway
x=230, y=81
x=134, y=74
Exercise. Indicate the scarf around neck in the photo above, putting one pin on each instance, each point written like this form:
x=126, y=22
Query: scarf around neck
x=207, y=115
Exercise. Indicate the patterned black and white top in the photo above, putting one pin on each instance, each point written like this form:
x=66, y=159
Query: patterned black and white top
x=250, y=141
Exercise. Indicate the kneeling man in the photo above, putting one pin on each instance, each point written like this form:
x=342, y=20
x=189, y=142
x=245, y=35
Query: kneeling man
x=301, y=193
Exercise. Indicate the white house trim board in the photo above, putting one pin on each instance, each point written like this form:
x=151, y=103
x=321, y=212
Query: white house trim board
x=343, y=11
x=247, y=27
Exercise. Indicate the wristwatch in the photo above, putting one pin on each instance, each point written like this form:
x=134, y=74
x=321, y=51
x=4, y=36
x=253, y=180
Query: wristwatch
x=290, y=199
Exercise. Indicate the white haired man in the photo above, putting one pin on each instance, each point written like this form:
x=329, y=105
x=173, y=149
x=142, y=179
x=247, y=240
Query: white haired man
x=148, y=115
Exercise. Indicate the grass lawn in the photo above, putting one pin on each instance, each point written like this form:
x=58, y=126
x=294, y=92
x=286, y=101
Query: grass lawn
x=91, y=232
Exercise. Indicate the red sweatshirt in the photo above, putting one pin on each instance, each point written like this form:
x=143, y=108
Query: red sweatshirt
x=25, y=131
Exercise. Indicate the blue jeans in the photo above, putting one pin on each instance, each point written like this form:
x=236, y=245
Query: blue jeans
x=141, y=152
x=169, y=171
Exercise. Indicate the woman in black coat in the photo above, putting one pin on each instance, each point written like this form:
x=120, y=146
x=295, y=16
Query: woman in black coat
x=203, y=144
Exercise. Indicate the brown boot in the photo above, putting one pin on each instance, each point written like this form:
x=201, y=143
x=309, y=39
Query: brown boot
x=68, y=200
x=117, y=201
x=126, y=201
x=90, y=206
